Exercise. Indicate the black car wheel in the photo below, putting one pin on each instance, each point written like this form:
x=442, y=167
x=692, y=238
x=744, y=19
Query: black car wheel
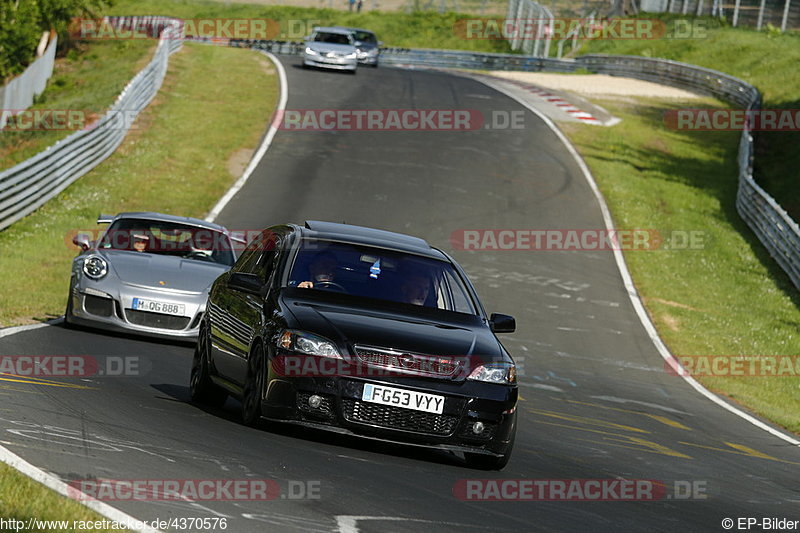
x=201, y=387
x=253, y=387
x=68, y=311
x=492, y=462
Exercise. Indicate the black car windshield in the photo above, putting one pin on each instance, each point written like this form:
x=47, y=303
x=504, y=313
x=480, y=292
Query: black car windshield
x=365, y=37
x=381, y=274
x=332, y=38
x=169, y=238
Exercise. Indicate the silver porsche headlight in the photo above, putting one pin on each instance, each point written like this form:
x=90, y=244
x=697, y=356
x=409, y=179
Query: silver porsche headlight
x=351, y=55
x=505, y=373
x=95, y=267
x=310, y=51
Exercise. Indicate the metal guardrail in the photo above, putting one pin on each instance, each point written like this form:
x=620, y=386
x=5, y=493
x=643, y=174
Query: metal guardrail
x=28, y=185
x=18, y=93
x=771, y=224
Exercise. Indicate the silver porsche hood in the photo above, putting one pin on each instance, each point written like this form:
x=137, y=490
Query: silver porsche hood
x=162, y=271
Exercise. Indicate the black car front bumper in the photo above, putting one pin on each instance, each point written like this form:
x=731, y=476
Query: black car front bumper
x=341, y=408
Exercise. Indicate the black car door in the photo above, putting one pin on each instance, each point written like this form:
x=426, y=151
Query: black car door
x=246, y=309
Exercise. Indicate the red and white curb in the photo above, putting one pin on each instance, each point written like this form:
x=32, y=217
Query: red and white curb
x=565, y=106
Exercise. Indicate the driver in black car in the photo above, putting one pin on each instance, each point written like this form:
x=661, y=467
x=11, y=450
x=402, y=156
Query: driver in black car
x=322, y=269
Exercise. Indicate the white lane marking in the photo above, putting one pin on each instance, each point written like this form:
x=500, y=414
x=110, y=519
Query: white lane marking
x=53, y=482
x=636, y=301
x=541, y=386
x=18, y=463
x=614, y=399
x=284, y=96
x=19, y=329
x=349, y=523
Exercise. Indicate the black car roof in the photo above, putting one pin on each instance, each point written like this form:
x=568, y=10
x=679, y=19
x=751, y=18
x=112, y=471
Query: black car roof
x=315, y=229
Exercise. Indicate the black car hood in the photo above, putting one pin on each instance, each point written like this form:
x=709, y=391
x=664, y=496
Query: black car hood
x=428, y=332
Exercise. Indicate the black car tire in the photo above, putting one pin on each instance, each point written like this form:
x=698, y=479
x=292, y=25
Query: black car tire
x=68, y=311
x=492, y=462
x=253, y=387
x=201, y=388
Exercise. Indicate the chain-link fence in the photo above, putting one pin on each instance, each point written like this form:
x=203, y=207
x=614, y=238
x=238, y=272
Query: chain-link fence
x=782, y=14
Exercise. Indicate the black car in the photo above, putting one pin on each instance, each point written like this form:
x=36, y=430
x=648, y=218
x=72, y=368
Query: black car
x=363, y=332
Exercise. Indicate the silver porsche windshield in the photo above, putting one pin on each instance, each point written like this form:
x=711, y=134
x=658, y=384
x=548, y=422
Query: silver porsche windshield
x=380, y=274
x=169, y=238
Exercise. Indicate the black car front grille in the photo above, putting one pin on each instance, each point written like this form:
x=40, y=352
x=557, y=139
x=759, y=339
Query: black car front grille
x=98, y=306
x=156, y=320
x=399, y=418
x=409, y=363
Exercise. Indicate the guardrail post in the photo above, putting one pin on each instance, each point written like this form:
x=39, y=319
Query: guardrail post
x=785, y=18
x=760, y=14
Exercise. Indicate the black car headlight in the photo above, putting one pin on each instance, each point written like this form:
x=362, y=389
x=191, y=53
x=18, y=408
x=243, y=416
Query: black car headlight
x=308, y=343
x=95, y=267
x=504, y=373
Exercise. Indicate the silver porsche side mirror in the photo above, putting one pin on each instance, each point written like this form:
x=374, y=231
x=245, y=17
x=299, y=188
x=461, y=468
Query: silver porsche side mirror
x=82, y=241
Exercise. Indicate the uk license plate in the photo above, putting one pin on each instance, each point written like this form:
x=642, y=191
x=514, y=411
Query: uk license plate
x=156, y=306
x=419, y=401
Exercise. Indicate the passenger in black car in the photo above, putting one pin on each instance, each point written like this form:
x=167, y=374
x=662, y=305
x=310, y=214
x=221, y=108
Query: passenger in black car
x=415, y=289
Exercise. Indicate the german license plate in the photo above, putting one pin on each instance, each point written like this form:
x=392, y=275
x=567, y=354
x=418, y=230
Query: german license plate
x=156, y=306
x=419, y=401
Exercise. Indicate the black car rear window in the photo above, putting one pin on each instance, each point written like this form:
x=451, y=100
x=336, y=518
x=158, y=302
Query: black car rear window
x=381, y=274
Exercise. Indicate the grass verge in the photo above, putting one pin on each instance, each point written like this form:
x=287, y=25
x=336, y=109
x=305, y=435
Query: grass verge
x=88, y=79
x=176, y=161
x=410, y=30
x=726, y=298
x=766, y=59
x=21, y=498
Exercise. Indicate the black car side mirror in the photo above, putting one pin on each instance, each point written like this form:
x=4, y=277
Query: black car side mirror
x=249, y=283
x=502, y=323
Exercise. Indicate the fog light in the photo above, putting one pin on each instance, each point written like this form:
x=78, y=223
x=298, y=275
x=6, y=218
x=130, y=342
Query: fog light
x=477, y=428
x=314, y=401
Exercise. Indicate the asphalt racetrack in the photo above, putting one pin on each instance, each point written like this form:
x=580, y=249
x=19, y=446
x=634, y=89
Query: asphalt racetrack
x=596, y=400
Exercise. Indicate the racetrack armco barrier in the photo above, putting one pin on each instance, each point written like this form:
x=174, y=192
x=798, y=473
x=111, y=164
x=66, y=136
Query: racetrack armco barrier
x=28, y=185
x=779, y=234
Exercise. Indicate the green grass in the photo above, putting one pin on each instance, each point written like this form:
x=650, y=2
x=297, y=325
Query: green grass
x=176, y=162
x=88, y=79
x=765, y=59
x=411, y=30
x=22, y=498
x=728, y=298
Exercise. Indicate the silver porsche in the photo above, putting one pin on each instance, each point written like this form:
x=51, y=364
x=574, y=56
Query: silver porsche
x=148, y=273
